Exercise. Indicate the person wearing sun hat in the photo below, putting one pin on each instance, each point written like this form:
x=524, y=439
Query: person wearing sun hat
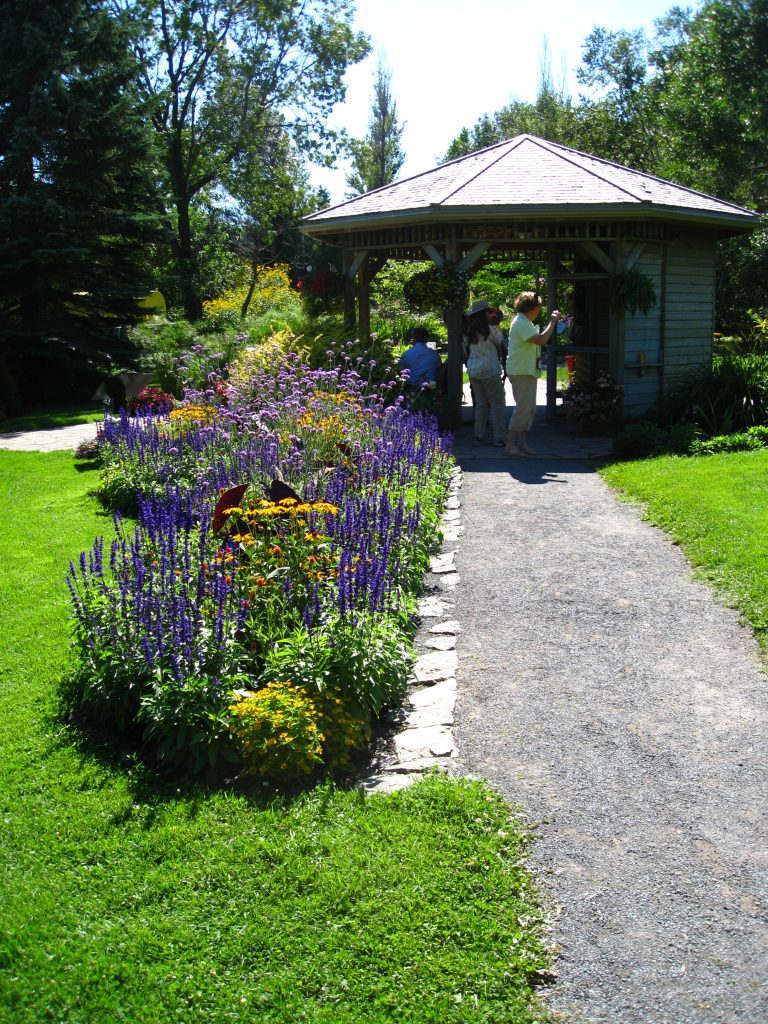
x=483, y=345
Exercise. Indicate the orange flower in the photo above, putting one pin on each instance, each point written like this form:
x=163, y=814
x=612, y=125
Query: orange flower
x=261, y=582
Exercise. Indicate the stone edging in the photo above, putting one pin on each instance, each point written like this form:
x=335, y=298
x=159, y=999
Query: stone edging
x=425, y=739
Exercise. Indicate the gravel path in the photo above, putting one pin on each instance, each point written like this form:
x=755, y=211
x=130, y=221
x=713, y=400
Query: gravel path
x=606, y=692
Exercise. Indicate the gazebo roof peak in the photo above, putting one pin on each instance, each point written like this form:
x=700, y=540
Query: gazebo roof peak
x=525, y=176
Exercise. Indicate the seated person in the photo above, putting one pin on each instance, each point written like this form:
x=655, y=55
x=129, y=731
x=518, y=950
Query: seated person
x=423, y=364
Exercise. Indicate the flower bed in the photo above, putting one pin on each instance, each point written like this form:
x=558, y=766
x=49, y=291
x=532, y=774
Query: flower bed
x=257, y=613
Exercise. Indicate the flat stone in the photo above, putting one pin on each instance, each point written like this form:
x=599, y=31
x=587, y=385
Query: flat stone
x=387, y=783
x=453, y=503
x=449, y=626
x=449, y=581
x=417, y=764
x=453, y=536
x=441, y=642
x=452, y=517
x=442, y=692
x=443, y=563
x=433, y=667
x=435, y=739
x=433, y=607
x=424, y=718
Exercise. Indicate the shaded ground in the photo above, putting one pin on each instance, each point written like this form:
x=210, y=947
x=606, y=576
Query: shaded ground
x=611, y=696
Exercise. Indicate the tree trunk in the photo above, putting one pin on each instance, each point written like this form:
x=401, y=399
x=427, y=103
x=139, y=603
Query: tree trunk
x=185, y=255
x=191, y=301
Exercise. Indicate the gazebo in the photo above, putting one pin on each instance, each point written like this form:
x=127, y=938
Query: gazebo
x=587, y=221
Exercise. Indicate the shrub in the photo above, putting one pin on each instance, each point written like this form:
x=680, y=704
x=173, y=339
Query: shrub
x=638, y=440
x=731, y=396
x=745, y=440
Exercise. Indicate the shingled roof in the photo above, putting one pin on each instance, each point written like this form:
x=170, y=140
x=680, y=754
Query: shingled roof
x=528, y=176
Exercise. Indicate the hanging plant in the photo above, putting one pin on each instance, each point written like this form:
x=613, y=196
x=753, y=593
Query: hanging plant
x=437, y=288
x=631, y=291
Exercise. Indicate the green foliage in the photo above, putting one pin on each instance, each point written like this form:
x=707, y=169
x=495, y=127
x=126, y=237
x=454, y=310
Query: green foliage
x=387, y=288
x=640, y=440
x=78, y=207
x=500, y=281
x=715, y=507
x=437, y=288
x=215, y=74
x=377, y=159
x=746, y=440
x=732, y=396
x=122, y=897
x=632, y=291
x=368, y=661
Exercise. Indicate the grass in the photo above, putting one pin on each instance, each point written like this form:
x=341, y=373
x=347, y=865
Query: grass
x=716, y=508
x=50, y=418
x=126, y=898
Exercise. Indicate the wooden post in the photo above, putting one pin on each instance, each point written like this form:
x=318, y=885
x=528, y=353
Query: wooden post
x=364, y=302
x=349, y=290
x=552, y=346
x=617, y=324
x=455, y=368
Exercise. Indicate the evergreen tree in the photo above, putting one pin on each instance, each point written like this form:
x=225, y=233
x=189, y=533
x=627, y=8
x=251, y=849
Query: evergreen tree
x=77, y=209
x=377, y=158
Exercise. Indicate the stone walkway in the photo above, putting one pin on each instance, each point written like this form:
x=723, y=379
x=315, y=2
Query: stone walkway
x=608, y=694
x=59, y=439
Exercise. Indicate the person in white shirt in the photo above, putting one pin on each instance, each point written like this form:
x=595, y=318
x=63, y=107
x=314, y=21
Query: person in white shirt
x=525, y=340
x=483, y=345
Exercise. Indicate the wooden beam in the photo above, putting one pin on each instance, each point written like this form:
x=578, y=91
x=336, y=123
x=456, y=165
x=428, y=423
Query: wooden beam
x=375, y=263
x=357, y=261
x=434, y=254
x=473, y=256
x=634, y=255
x=600, y=256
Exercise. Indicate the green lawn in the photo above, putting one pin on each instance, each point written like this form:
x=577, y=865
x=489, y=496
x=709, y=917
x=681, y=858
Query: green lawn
x=48, y=419
x=716, y=508
x=123, y=898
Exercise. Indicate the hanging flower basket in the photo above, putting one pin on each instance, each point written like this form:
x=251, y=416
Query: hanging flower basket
x=437, y=288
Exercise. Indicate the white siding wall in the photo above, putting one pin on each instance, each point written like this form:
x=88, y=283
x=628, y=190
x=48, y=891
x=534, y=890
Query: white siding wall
x=642, y=334
x=690, y=306
x=689, y=320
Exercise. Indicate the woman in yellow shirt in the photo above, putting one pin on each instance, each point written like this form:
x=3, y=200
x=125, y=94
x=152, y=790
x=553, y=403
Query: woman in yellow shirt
x=525, y=339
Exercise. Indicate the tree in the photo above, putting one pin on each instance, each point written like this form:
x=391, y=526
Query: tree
x=618, y=121
x=220, y=75
x=715, y=101
x=78, y=214
x=377, y=158
x=551, y=116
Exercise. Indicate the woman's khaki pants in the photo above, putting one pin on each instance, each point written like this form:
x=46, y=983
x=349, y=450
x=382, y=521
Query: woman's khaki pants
x=489, y=396
x=524, y=393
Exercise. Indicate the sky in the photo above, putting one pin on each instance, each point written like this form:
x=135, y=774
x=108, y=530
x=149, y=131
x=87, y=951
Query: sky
x=454, y=60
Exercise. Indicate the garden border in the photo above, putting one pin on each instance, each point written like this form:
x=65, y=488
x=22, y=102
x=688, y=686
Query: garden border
x=425, y=740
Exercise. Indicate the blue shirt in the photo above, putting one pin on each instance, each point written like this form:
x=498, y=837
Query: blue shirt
x=422, y=364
